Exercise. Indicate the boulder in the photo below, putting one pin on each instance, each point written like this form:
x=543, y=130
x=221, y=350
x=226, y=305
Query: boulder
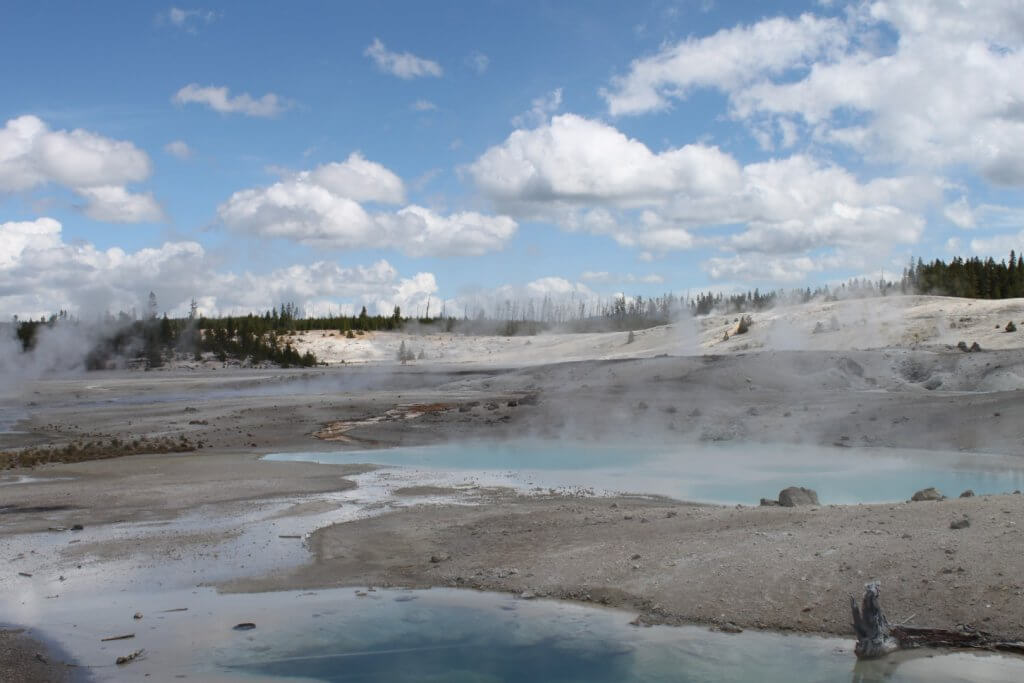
x=969, y=493
x=794, y=495
x=930, y=493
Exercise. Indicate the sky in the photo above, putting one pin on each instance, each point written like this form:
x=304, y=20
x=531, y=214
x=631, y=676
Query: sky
x=337, y=155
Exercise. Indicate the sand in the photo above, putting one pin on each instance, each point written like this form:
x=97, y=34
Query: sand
x=220, y=516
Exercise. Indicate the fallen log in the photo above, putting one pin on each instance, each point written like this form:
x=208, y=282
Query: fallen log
x=876, y=637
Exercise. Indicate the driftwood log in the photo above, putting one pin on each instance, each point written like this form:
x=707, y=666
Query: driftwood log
x=876, y=637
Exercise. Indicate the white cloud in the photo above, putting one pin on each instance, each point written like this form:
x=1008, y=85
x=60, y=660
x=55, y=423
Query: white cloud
x=998, y=246
x=402, y=64
x=478, y=62
x=603, y=277
x=424, y=105
x=961, y=214
x=726, y=60
x=579, y=161
x=924, y=83
x=540, y=110
x=115, y=204
x=586, y=175
x=188, y=20
x=323, y=207
x=40, y=273
x=357, y=179
x=179, y=149
x=219, y=99
x=32, y=155
x=95, y=167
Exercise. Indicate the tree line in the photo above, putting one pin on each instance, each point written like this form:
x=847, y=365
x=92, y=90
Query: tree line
x=971, y=278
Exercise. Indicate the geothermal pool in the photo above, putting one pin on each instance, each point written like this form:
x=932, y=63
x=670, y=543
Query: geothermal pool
x=445, y=635
x=711, y=473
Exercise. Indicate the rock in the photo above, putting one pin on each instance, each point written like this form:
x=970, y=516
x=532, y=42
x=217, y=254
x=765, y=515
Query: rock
x=768, y=502
x=526, y=595
x=969, y=493
x=439, y=557
x=137, y=615
x=963, y=346
x=77, y=527
x=794, y=495
x=244, y=626
x=930, y=493
x=960, y=523
x=729, y=627
x=975, y=347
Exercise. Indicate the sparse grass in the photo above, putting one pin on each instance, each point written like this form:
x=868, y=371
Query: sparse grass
x=92, y=450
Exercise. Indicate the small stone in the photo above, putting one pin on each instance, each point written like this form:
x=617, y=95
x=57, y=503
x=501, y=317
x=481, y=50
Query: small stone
x=729, y=627
x=244, y=626
x=137, y=615
x=960, y=523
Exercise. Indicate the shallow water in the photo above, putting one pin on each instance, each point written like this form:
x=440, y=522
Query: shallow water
x=444, y=635
x=713, y=473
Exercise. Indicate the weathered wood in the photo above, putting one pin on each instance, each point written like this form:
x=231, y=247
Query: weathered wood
x=876, y=637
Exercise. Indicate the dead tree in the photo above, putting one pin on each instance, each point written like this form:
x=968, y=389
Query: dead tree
x=876, y=637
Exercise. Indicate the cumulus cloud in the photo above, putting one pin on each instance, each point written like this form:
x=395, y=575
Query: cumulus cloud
x=95, y=167
x=424, y=105
x=324, y=207
x=402, y=64
x=726, y=60
x=588, y=176
x=41, y=273
x=179, y=149
x=942, y=91
x=115, y=204
x=220, y=99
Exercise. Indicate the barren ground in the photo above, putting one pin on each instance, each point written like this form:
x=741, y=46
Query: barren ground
x=199, y=517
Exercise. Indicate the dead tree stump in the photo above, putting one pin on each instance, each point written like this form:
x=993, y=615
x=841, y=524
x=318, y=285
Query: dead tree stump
x=876, y=637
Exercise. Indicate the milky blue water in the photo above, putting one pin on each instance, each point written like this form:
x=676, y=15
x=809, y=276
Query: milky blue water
x=442, y=635
x=715, y=473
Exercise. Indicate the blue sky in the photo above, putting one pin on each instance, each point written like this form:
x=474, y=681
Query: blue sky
x=341, y=154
